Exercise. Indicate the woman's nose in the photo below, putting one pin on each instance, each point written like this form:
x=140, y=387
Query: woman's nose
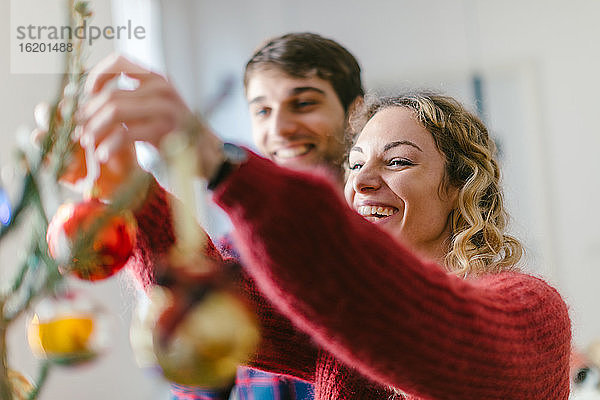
x=367, y=179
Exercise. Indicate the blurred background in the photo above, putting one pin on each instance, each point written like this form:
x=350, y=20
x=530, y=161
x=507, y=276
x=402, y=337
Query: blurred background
x=529, y=67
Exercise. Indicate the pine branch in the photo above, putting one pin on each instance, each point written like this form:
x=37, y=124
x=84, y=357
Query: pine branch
x=26, y=266
x=39, y=383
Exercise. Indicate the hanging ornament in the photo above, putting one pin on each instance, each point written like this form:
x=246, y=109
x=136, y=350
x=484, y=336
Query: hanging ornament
x=107, y=247
x=211, y=340
x=194, y=326
x=68, y=329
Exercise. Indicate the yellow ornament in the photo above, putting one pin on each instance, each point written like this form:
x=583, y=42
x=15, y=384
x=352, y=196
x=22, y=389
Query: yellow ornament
x=64, y=337
x=67, y=330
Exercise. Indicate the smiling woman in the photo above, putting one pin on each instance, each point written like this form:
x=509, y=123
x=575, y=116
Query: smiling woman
x=382, y=294
x=436, y=162
x=376, y=312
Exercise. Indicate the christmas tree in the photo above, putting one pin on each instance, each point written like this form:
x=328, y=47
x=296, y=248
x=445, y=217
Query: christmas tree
x=93, y=239
x=66, y=328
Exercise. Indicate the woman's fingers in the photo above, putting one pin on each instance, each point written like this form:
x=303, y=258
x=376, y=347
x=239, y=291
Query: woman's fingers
x=111, y=67
x=112, y=119
x=155, y=87
x=128, y=109
x=154, y=103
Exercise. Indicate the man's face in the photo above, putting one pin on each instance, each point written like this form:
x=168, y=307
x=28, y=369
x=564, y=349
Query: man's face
x=296, y=122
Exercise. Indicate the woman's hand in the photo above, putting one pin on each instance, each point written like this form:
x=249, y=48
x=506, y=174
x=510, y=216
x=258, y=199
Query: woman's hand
x=113, y=118
x=147, y=112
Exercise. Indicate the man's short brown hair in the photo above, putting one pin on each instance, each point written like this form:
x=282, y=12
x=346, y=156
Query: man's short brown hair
x=302, y=55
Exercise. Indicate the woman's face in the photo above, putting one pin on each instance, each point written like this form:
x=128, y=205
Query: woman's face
x=396, y=181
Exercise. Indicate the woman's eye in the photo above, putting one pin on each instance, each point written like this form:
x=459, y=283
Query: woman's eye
x=399, y=162
x=355, y=166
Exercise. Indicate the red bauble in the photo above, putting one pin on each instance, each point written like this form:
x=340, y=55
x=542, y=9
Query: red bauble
x=105, y=253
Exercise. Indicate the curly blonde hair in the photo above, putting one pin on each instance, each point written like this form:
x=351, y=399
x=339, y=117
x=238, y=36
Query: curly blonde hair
x=479, y=242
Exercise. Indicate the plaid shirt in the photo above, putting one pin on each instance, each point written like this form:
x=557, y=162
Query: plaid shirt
x=251, y=384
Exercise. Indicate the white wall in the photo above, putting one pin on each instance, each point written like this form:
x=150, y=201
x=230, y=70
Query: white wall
x=539, y=59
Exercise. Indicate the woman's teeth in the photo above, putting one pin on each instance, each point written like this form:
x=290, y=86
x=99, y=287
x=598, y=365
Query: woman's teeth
x=294, y=151
x=376, y=211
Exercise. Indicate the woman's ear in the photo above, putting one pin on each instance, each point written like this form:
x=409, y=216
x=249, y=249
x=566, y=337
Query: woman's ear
x=449, y=192
x=452, y=193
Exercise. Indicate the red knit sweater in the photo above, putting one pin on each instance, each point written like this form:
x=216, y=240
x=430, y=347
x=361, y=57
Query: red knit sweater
x=365, y=312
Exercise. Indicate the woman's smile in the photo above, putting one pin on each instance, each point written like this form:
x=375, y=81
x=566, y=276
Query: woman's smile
x=377, y=212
